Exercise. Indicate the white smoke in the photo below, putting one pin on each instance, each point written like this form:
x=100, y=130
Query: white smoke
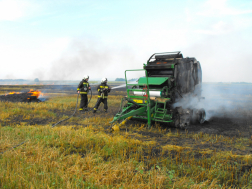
x=88, y=56
x=220, y=100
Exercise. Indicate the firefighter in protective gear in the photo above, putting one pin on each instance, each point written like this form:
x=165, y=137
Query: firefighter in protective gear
x=103, y=90
x=83, y=89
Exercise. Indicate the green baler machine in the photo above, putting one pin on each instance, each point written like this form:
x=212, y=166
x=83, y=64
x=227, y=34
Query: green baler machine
x=162, y=95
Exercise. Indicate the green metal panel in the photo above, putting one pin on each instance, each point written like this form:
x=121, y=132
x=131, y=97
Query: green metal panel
x=152, y=80
x=132, y=113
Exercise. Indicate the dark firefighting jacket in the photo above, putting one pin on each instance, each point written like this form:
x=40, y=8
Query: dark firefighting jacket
x=83, y=87
x=103, y=90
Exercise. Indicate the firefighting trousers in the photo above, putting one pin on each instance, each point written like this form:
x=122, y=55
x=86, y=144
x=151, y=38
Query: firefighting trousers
x=104, y=101
x=84, y=101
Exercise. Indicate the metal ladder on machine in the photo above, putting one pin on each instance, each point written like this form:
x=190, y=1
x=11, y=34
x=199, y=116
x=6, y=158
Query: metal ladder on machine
x=160, y=111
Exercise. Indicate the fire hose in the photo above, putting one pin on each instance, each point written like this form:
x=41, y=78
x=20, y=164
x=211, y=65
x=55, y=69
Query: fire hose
x=52, y=126
x=74, y=110
x=13, y=147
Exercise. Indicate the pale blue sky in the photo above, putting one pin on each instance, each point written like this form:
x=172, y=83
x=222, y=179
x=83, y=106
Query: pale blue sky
x=52, y=39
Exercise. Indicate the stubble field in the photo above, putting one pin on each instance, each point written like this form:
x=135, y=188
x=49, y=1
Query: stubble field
x=81, y=152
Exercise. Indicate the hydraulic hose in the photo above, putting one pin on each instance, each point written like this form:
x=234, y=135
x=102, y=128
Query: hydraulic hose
x=74, y=110
x=90, y=96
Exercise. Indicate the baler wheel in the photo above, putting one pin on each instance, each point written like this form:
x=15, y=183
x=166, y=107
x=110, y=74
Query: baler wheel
x=198, y=116
x=176, y=120
x=202, y=116
x=194, y=117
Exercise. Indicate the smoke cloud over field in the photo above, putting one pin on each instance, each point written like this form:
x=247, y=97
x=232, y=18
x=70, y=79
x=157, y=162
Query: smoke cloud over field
x=88, y=57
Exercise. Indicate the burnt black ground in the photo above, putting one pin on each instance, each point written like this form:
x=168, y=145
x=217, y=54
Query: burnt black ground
x=69, y=89
x=22, y=97
x=24, y=89
x=234, y=123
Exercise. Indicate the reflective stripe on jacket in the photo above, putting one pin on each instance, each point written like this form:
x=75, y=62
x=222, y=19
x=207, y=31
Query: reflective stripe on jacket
x=83, y=87
x=103, y=90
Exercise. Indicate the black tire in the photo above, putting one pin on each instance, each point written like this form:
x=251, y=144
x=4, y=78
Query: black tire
x=198, y=116
x=194, y=118
x=176, y=119
x=202, y=116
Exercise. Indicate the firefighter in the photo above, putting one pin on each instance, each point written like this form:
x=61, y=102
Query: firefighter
x=103, y=90
x=83, y=89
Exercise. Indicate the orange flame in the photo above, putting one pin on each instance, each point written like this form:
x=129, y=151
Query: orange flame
x=10, y=93
x=32, y=93
x=35, y=93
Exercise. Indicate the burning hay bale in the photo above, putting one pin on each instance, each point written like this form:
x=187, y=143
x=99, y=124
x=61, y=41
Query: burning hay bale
x=31, y=96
